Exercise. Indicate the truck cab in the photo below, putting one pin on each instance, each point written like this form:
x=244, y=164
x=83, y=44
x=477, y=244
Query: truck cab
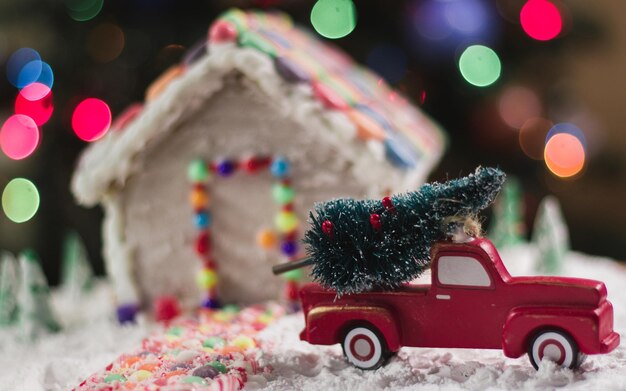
x=471, y=302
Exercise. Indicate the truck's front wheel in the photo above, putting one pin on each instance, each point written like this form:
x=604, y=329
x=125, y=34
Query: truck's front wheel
x=364, y=348
x=556, y=346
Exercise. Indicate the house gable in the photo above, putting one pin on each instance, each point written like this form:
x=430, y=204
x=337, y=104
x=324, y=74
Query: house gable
x=237, y=121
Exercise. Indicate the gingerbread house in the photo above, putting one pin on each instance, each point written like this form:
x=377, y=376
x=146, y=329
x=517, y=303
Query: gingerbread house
x=271, y=120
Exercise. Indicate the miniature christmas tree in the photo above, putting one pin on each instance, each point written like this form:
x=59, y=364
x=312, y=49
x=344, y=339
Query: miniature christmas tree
x=356, y=245
x=77, y=275
x=8, y=288
x=35, y=315
x=507, y=227
x=550, y=235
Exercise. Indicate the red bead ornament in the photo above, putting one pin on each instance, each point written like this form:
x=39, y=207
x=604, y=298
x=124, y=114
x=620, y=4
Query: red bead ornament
x=328, y=229
x=254, y=164
x=209, y=264
x=223, y=31
x=291, y=236
x=203, y=244
x=166, y=308
x=288, y=207
x=291, y=290
x=388, y=204
x=375, y=221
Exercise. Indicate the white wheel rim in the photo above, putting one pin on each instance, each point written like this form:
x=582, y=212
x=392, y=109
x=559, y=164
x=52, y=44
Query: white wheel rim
x=362, y=347
x=555, y=347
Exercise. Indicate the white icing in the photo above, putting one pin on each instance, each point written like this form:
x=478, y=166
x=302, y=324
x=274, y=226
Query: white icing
x=159, y=218
x=117, y=253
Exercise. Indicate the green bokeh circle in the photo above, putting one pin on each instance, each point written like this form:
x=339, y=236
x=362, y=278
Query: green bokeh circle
x=333, y=18
x=20, y=200
x=480, y=65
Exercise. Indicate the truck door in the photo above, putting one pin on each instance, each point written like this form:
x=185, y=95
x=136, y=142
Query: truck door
x=464, y=302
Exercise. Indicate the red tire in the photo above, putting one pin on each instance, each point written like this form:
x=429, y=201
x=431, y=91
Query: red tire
x=556, y=346
x=364, y=348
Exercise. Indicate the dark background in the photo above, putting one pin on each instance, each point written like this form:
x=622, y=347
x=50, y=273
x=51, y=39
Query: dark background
x=576, y=76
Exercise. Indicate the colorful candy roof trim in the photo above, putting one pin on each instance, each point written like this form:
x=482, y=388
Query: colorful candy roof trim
x=406, y=137
x=377, y=111
x=217, y=351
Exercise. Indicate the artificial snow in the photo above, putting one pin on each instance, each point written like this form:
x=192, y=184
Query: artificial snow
x=91, y=339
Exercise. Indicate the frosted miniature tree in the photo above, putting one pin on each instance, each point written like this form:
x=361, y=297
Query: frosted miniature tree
x=76, y=272
x=34, y=313
x=8, y=288
x=507, y=226
x=551, y=236
x=357, y=245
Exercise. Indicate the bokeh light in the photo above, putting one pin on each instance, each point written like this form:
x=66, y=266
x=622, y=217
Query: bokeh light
x=35, y=101
x=466, y=16
x=388, y=61
x=46, y=76
x=517, y=104
x=437, y=28
x=16, y=64
x=83, y=10
x=105, y=42
x=91, y=119
x=430, y=20
x=480, y=65
x=20, y=200
x=333, y=18
x=19, y=136
x=35, y=91
x=566, y=127
x=541, y=20
x=29, y=73
x=564, y=155
x=532, y=137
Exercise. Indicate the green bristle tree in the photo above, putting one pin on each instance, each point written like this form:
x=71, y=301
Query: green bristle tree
x=358, y=245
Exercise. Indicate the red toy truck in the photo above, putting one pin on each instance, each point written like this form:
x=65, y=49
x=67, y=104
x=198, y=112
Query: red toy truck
x=472, y=302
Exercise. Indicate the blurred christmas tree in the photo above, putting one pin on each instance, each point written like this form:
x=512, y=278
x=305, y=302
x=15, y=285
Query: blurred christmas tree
x=507, y=226
x=34, y=313
x=8, y=288
x=551, y=237
x=76, y=274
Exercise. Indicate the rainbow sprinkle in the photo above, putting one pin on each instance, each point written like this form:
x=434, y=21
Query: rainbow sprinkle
x=216, y=350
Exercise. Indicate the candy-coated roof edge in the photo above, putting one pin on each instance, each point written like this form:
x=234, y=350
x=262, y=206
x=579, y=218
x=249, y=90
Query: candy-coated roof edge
x=106, y=164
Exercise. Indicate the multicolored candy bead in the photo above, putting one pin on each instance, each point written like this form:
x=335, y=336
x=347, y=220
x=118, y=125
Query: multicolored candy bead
x=283, y=194
x=202, y=220
x=197, y=171
x=207, y=279
x=225, y=168
x=286, y=221
x=280, y=167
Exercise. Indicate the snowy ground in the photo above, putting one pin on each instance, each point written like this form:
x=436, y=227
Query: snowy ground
x=92, y=339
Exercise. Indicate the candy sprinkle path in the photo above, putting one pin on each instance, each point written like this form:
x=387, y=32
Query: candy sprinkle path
x=216, y=350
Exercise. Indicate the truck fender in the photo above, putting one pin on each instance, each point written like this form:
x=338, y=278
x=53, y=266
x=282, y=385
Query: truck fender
x=327, y=325
x=523, y=323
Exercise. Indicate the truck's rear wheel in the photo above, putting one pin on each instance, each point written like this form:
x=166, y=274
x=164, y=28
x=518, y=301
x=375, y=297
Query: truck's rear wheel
x=364, y=348
x=556, y=346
